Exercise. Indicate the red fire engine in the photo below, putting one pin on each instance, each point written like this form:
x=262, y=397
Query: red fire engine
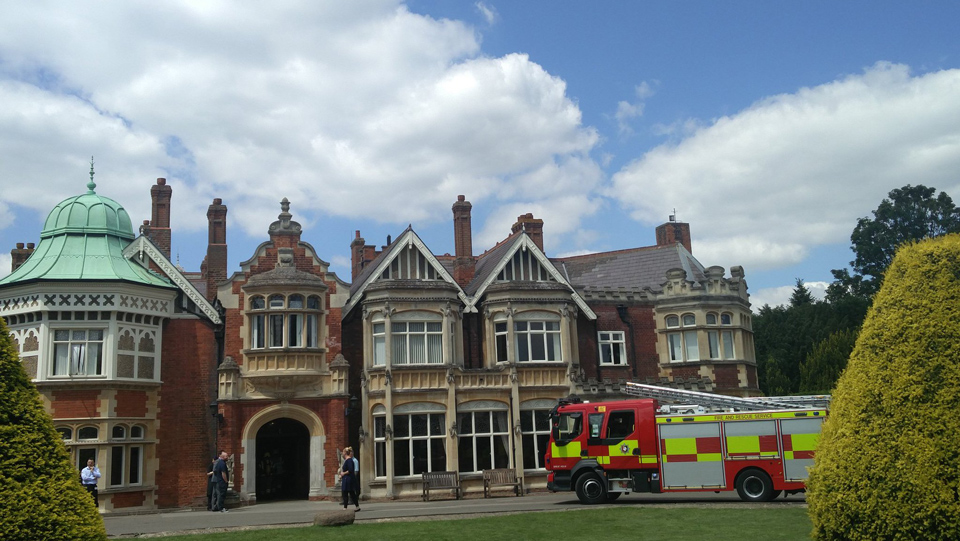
x=758, y=447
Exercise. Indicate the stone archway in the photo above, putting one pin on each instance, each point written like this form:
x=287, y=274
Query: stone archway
x=283, y=460
x=281, y=415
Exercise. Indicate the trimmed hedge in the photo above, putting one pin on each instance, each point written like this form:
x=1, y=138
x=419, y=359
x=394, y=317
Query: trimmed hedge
x=888, y=461
x=40, y=492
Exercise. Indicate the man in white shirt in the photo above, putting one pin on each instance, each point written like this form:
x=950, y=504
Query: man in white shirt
x=89, y=476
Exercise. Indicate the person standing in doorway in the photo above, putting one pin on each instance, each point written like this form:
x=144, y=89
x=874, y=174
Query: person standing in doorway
x=349, y=479
x=221, y=477
x=89, y=477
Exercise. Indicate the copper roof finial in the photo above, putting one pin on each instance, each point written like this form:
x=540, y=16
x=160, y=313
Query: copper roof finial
x=91, y=185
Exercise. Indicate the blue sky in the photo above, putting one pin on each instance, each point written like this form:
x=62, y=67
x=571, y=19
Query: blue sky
x=769, y=126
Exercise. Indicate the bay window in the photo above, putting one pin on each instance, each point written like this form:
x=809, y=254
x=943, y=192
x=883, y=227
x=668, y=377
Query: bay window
x=483, y=440
x=78, y=352
x=682, y=345
x=419, y=443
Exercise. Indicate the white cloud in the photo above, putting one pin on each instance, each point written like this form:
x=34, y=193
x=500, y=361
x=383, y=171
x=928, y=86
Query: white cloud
x=5, y=263
x=776, y=296
x=334, y=105
x=629, y=110
x=488, y=12
x=763, y=186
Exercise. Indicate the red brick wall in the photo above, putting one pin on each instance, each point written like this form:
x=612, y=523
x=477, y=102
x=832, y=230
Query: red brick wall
x=238, y=414
x=184, y=445
x=726, y=378
x=131, y=404
x=71, y=404
x=641, y=344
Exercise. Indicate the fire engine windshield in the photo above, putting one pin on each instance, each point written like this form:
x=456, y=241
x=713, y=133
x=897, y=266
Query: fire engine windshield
x=567, y=427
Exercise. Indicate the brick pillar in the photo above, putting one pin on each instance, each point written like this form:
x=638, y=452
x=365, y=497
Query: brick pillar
x=464, y=266
x=532, y=226
x=19, y=255
x=674, y=232
x=159, y=230
x=215, y=264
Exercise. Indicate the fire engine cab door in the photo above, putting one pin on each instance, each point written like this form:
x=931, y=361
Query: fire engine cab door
x=617, y=449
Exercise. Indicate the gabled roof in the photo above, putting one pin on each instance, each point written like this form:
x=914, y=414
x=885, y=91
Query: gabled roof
x=640, y=268
x=376, y=267
x=492, y=262
x=142, y=246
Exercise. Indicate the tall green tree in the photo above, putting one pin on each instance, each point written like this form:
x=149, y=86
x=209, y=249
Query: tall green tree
x=784, y=336
x=822, y=367
x=801, y=295
x=887, y=465
x=909, y=213
x=40, y=493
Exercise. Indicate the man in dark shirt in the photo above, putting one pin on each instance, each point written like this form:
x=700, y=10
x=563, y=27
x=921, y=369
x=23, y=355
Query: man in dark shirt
x=220, y=476
x=211, y=483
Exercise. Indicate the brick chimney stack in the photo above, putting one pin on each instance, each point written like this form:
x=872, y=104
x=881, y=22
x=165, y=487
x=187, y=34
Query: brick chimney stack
x=19, y=255
x=214, y=268
x=533, y=227
x=361, y=254
x=674, y=232
x=464, y=264
x=159, y=229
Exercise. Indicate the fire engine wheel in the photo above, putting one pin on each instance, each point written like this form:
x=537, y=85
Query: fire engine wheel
x=755, y=486
x=591, y=489
x=612, y=496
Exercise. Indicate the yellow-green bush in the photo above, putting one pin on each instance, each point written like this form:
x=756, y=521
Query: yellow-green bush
x=40, y=493
x=888, y=462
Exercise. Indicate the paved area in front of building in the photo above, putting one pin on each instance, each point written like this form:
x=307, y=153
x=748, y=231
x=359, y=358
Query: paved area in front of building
x=298, y=513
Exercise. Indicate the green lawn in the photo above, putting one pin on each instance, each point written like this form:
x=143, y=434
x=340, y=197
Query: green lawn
x=712, y=524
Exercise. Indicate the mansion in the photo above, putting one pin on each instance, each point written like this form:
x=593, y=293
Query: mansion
x=422, y=361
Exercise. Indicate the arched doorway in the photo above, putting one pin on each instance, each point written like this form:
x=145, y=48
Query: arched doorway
x=283, y=460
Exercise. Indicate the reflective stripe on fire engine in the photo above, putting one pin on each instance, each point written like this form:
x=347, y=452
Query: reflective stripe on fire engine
x=570, y=450
x=799, y=440
x=743, y=416
x=705, y=449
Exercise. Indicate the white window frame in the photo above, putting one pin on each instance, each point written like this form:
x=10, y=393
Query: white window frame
x=683, y=344
x=615, y=343
x=720, y=341
x=548, y=331
x=537, y=436
x=473, y=437
x=378, y=331
x=402, y=339
x=76, y=347
x=411, y=439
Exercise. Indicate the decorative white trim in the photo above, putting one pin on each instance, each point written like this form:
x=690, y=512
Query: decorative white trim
x=407, y=238
x=524, y=242
x=142, y=245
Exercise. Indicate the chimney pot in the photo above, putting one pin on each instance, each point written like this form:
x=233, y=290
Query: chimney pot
x=30, y=246
x=461, y=198
x=217, y=201
x=162, y=181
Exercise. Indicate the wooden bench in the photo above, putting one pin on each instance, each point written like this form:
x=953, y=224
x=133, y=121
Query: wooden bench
x=501, y=477
x=441, y=480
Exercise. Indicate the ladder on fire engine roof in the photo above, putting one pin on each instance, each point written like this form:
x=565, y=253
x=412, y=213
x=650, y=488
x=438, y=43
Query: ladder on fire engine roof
x=722, y=402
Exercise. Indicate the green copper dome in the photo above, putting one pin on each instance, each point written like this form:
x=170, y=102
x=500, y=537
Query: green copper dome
x=83, y=239
x=88, y=213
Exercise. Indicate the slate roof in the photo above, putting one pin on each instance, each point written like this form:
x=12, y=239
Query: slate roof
x=487, y=262
x=636, y=268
